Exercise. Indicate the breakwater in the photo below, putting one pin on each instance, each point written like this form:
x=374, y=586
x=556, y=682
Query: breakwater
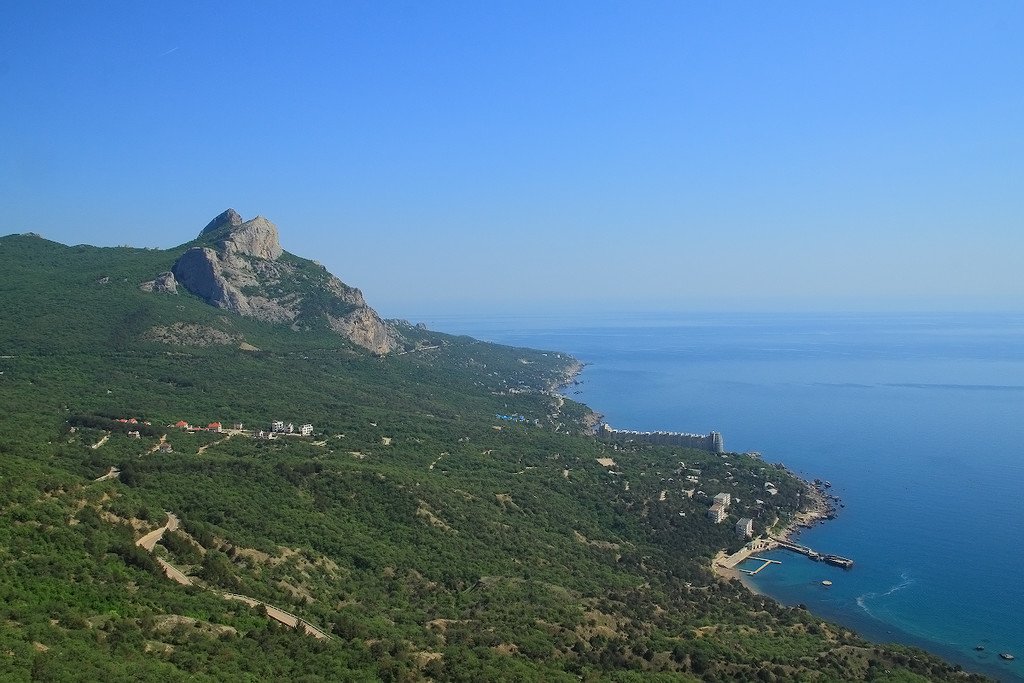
x=706, y=442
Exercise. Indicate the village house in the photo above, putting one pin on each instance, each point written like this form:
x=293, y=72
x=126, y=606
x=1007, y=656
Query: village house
x=134, y=435
x=165, y=448
x=215, y=427
x=306, y=430
x=277, y=426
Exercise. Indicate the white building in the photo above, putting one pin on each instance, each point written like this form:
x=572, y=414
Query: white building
x=723, y=499
x=291, y=428
x=277, y=426
x=745, y=527
x=306, y=430
x=716, y=513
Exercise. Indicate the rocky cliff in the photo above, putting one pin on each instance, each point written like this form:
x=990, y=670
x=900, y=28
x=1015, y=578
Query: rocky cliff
x=240, y=266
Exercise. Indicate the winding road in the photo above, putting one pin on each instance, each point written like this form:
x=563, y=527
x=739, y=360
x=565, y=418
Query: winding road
x=149, y=541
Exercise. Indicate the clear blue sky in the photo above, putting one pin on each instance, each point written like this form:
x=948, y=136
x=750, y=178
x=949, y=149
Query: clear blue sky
x=537, y=155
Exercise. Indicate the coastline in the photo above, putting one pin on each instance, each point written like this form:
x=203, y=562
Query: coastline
x=816, y=510
x=820, y=509
x=591, y=419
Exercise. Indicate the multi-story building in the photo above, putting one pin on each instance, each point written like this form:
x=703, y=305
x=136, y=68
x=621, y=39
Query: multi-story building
x=716, y=513
x=745, y=527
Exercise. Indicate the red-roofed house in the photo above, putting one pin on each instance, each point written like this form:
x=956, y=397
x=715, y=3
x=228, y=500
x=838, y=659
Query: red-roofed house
x=181, y=423
x=214, y=426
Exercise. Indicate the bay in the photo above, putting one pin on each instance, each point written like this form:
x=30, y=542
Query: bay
x=916, y=420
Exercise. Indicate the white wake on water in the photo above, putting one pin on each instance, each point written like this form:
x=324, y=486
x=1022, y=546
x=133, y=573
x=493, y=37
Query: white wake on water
x=905, y=581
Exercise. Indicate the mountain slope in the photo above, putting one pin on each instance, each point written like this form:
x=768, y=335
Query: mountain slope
x=428, y=535
x=240, y=266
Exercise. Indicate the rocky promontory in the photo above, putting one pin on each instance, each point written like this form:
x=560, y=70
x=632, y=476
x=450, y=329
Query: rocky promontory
x=240, y=266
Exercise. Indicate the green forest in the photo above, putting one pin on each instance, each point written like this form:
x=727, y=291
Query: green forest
x=427, y=536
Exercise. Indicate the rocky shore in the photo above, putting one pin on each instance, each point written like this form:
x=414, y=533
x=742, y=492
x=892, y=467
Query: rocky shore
x=819, y=506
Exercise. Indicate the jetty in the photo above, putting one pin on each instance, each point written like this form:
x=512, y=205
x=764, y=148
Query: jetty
x=765, y=562
x=758, y=545
x=836, y=560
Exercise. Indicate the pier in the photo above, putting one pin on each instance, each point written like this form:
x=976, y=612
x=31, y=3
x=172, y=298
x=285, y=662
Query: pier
x=836, y=560
x=765, y=561
x=766, y=544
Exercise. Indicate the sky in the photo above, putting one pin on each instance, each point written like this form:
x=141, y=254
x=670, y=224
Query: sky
x=523, y=156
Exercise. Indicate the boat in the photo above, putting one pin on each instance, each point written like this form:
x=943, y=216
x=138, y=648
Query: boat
x=1007, y=656
x=838, y=561
x=979, y=648
x=826, y=583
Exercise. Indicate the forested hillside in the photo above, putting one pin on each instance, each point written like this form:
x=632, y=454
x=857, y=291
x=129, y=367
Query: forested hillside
x=448, y=518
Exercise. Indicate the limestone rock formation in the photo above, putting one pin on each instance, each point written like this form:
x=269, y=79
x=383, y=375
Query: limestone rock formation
x=228, y=219
x=365, y=328
x=190, y=334
x=237, y=266
x=164, y=284
x=257, y=238
x=200, y=271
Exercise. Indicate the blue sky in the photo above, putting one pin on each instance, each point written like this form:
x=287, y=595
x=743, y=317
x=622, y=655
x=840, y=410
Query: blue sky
x=521, y=156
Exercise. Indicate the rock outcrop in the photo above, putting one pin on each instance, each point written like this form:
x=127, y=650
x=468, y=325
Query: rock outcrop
x=364, y=327
x=257, y=238
x=228, y=219
x=237, y=266
x=190, y=334
x=164, y=284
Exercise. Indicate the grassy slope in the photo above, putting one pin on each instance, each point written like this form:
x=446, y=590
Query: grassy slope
x=430, y=543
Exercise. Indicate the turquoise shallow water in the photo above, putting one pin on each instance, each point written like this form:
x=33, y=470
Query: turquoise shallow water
x=918, y=422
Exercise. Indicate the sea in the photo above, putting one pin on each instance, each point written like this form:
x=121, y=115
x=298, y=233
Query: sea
x=916, y=420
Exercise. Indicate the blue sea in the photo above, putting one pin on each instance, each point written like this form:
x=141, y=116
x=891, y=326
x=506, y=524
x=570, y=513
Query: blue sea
x=916, y=420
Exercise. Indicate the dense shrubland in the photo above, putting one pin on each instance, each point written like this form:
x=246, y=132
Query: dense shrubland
x=426, y=540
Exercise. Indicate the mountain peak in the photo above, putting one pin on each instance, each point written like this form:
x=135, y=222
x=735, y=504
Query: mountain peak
x=235, y=265
x=228, y=219
x=230, y=235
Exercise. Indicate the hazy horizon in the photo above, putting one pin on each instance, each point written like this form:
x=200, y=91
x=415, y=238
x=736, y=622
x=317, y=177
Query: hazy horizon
x=522, y=157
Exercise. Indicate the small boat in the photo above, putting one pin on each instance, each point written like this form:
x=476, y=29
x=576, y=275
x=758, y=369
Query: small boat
x=826, y=583
x=1007, y=656
x=979, y=648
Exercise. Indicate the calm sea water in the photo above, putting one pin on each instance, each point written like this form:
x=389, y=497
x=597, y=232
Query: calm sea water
x=917, y=420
